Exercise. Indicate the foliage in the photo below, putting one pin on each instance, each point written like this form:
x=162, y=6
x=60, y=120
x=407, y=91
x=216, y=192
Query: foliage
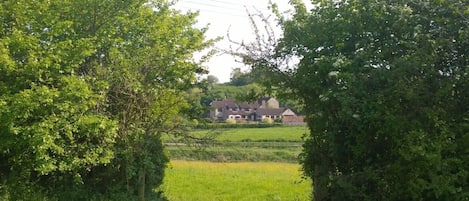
x=267, y=121
x=227, y=91
x=385, y=87
x=230, y=121
x=87, y=88
x=282, y=152
x=248, y=181
x=240, y=78
x=212, y=80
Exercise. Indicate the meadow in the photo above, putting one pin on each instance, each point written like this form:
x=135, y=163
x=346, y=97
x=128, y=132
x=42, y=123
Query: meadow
x=274, y=144
x=239, y=164
x=208, y=181
x=285, y=133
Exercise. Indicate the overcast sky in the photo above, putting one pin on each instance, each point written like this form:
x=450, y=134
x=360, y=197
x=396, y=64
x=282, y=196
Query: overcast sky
x=224, y=15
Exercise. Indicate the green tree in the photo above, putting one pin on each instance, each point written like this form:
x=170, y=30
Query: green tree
x=384, y=86
x=87, y=88
x=49, y=118
x=212, y=80
x=240, y=78
x=227, y=91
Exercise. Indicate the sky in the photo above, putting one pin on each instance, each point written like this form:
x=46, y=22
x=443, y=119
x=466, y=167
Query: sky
x=224, y=15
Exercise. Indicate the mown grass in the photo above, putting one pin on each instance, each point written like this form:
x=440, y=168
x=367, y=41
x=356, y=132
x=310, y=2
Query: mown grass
x=285, y=133
x=208, y=181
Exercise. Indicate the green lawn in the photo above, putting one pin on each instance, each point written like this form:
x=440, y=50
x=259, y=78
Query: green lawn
x=286, y=133
x=207, y=181
x=258, y=164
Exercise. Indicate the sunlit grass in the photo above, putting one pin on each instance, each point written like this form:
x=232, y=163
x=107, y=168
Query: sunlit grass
x=286, y=133
x=207, y=181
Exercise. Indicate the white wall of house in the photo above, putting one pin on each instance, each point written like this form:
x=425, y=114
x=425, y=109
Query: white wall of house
x=270, y=116
x=237, y=116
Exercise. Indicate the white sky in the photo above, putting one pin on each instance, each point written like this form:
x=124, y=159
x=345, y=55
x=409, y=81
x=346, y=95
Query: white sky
x=224, y=15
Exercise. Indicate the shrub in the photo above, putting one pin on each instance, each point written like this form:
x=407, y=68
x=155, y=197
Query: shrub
x=230, y=121
x=267, y=121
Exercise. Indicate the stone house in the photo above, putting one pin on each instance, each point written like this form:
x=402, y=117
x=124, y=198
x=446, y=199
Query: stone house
x=251, y=112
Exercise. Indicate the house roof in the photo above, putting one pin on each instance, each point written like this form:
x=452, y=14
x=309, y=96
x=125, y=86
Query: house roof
x=224, y=103
x=240, y=112
x=245, y=105
x=270, y=111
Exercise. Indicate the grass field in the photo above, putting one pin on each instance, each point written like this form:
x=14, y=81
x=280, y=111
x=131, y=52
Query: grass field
x=274, y=144
x=240, y=164
x=207, y=181
x=287, y=133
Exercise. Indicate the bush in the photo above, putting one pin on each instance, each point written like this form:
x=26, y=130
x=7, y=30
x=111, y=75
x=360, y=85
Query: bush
x=278, y=121
x=267, y=121
x=230, y=121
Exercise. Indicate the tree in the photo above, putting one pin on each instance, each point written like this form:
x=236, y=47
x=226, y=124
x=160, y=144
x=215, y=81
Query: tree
x=226, y=91
x=87, y=88
x=212, y=80
x=47, y=110
x=240, y=78
x=384, y=85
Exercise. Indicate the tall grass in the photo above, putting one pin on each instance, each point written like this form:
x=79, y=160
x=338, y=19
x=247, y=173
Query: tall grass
x=235, y=154
x=207, y=181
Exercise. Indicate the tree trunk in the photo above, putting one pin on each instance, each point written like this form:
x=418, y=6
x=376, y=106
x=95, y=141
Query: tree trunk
x=319, y=186
x=141, y=184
